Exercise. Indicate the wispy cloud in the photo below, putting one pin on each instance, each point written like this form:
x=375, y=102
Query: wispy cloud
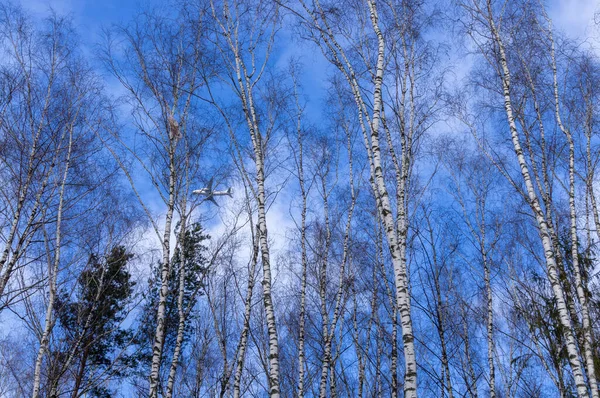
x=576, y=19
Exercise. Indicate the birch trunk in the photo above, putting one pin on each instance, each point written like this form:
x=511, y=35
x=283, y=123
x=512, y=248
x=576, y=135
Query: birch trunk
x=243, y=344
x=472, y=385
x=370, y=128
x=266, y=264
x=52, y=277
x=246, y=78
x=181, y=311
x=304, y=257
x=302, y=320
x=591, y=173
x=23, y=241
x=489, y=321
x=5, y=259
x=159, y=335
x=322, y=290
x=440, y=315
x=553, y=275
x=581, y=294
x=397, y=249
x=246, y=96
x=337, y=313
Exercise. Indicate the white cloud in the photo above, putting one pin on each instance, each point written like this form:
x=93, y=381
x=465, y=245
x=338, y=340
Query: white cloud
x=576, y=19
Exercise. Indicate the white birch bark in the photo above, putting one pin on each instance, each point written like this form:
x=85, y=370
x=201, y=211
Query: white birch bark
x=52, y=276
x=303, y=283
x=439, y=313
x=489, y=318
x=159, y=334
x=545, y=233
x=370, y=129
x=329, y=333
x=472, y=384
x=245, y=85
x=588, y=354
x=324, y=260
x=303, y=249
x=181, y=311
x=591, y=171
x=243, y=343
x=265, y=256
x=6, y=262
x=397, y=248
x=478, y=232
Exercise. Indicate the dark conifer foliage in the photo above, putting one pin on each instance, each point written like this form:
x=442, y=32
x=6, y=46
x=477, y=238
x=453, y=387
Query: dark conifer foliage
x=90, y=318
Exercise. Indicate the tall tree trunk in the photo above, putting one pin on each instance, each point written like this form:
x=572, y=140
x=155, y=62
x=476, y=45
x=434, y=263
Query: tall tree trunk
x=161, y=313
x=79, y=376
x=553, y=274
x=338, y=308
x=243, y=343
x=370, y=127
x=397, y=247
x=52, y=277
x=181, y=311
x=489, y=321
x=472, y=384
x=324, y=260
x=588, y=354
x=303, y=255
x=5, y=273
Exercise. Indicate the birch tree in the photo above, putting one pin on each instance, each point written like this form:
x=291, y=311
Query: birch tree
x=488, y=24
x=323, y=23
x=36, y=60
x=245, y=34
x=158, y=71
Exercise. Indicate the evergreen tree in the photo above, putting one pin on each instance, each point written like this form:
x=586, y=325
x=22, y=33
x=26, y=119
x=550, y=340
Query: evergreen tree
x=94, y=338
x=191, y=254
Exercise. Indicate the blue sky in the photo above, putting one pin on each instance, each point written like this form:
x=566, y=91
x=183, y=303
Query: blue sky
x=573, y=16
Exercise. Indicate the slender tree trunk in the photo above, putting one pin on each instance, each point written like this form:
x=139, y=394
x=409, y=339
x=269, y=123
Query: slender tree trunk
x=161, y=313
x=394, y=358
x=24, y=188
x=440, y=318
x=472, y=384
x=590, y=176
x=80, y=373
x=489, y=310
x=549, y=254
x=180, y=308
x=52, y=277
x=327, y=334
x=370, y=131
x=581, y=294
x=489, y=325
x=337, y=312
x=303, y=249
x=377, y=384
x=266, y=264
x=246, y=86
x=23, y=242
x=304, y=259
x=396, y=247
x=243, y=344
x=75, y=347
